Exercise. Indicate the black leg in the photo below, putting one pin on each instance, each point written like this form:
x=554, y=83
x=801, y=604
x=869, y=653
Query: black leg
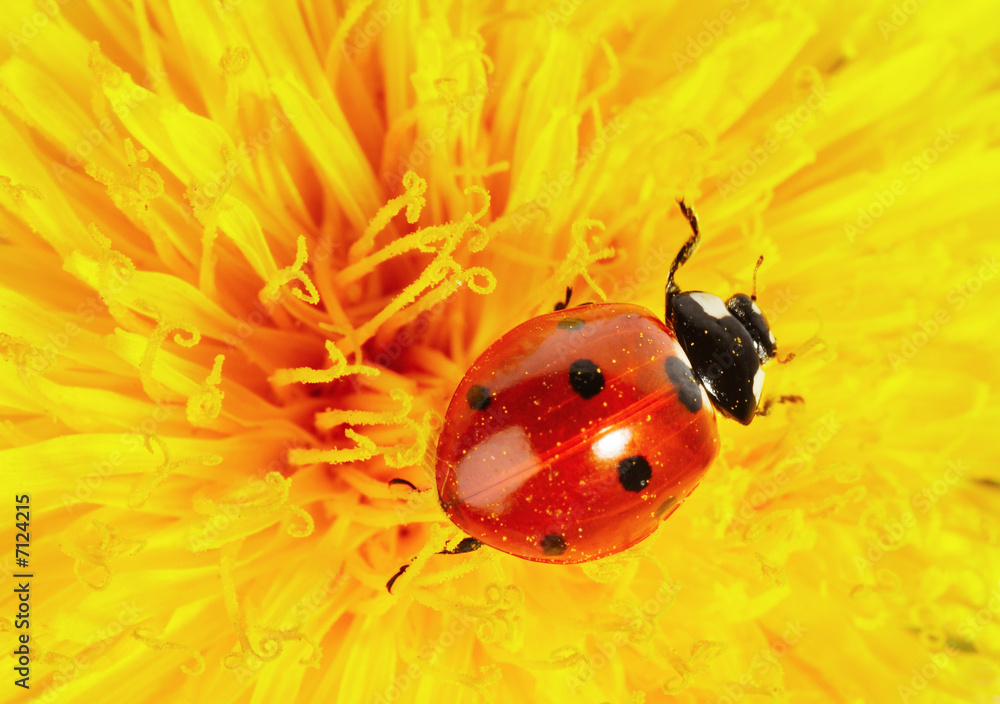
x=683, y=255
x=392, y=580
x=562, y=305
x=464, y=545
x=769, y=403
x=405, y=482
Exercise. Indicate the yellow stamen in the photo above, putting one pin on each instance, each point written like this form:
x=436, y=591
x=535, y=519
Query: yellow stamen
x=269, y=648
x=110, y=547
x=306, y=375
x=412, y=199
x=147, y=637
x=234, y=63
x=206, y=404
x=149, y=482
x=271, y=292
x=132, y=194
x=155, y=340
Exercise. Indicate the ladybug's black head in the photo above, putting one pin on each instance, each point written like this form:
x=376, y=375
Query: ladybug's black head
x=744, y=308
x=727, y=344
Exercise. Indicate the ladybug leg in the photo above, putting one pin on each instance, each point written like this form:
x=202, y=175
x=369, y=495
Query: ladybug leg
x=808, y=344
x=684, y=254
x=562, y=305
x=771, y=402
x=392, y=580
x=397, y=481
x=464, y=545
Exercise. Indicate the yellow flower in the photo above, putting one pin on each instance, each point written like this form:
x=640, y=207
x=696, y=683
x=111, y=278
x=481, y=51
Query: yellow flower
x=249, y=249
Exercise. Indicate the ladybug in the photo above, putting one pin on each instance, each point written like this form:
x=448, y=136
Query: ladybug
x=574, y=434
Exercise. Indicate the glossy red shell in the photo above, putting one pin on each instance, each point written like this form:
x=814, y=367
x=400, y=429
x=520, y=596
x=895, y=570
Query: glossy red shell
x=536, y=472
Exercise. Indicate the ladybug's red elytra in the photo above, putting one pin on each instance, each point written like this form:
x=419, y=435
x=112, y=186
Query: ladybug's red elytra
x=574, y=434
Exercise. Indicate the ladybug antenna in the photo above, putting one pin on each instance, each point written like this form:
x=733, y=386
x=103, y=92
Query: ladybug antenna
x=753, y=293
x=684, y=254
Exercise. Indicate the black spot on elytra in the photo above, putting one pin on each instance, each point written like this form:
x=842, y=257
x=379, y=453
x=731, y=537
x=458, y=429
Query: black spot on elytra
x=682, y=377
x=634, y=473
x=479, y=398
x=553, y=545
x=569, y=324
x=585, y=377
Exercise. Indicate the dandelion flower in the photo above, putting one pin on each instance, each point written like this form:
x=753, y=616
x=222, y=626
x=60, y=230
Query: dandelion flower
x=249, y=249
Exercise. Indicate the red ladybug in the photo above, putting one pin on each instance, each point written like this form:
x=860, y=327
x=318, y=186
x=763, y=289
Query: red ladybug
x=575, y=433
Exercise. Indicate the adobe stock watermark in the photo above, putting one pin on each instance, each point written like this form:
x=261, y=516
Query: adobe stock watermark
x=626, y=288
x=31, y=25
x=457, y=627
x=367, y=29
x=778, y=303
x=412, y=333
x=901, y=14
x=493, y=419
x=608, y=649
x=938, y=662
x=423, y=147
x=225, y=6
x=892, y=532
x=784, y=128
x=312, y=602
x=698, y=44
x=562, y=13
x=97, y=643
x=262, y=310
x=764, y=661
x=556, y=187
x=207, y=194
x=791, y=464
x=131, y=442
x=928, y=328
x=41, y=358
x=239, y=502
x=305, y=607
x=913, y=169
x=92, y=138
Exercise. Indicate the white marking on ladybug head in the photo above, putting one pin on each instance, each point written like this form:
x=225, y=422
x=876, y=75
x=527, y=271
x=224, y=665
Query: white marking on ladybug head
x=613, y=444
x=770, y=334
x=706, y=400
x=683, y=357
x=758, y=383
x=753, y=305
x=712, y=305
